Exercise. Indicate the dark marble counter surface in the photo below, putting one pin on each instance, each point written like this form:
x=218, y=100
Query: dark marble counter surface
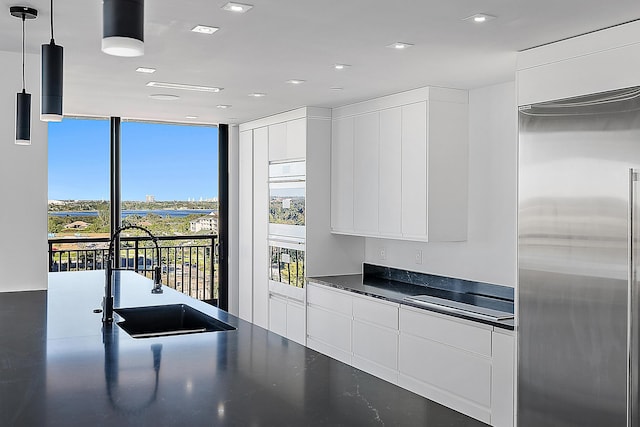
x=59, y=368
x=396, y=291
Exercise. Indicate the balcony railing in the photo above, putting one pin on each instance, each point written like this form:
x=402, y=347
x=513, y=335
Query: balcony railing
x=189, y=263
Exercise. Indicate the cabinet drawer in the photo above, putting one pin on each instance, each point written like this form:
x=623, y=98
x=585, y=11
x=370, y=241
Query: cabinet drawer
x=374, y=343
x=328, y=298
x=462, y=374
x=448, y=331
x=328, y=350
x=390, y=375
x=329, y=327
x=376, y=311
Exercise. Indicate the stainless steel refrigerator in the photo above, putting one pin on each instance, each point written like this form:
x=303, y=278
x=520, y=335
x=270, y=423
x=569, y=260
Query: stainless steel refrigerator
x=578, y=261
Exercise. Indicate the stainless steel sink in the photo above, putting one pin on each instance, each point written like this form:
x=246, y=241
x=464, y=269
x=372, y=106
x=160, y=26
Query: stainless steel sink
x=164, y=320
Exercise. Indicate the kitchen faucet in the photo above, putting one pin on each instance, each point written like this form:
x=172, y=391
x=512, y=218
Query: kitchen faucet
x=107, y=301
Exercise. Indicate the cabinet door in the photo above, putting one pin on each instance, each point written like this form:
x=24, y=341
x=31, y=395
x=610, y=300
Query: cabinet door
x=260, y=225
x=448, y=177
x=414, y=170
x=296, y=139
x=277, y=142
x=447, y=360
x=448, y=375
x=342, y=175
x=390, y=179
x=278, y=315
x=366, y=146
x=502, y=380
x=331, y=330
x=296, y=327
x=245, y=226
x=375, y=350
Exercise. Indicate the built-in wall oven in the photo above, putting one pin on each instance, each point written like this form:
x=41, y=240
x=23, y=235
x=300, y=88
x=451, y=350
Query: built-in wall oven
x=287, y=188
x=287, y=262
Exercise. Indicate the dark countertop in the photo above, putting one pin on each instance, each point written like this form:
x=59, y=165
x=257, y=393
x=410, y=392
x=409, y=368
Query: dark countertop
x=57, y=369
x=396, y=291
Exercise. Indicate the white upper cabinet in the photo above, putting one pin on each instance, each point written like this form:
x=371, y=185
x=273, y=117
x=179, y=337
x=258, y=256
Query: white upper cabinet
x=390, y=175
x=399, y=166
x=366, y=151
x=288, y=140
x=342, y=174
x=414, y=170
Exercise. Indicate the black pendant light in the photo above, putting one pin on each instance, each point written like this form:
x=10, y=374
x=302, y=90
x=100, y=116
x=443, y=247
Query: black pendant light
x=51, y=91
x=123, y=27
x=23, y=105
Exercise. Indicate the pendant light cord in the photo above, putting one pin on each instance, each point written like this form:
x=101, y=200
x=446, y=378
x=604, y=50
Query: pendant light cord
x=23, y=18
x=52, y=21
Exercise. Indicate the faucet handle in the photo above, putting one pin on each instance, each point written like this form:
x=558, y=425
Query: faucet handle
x=157, y=280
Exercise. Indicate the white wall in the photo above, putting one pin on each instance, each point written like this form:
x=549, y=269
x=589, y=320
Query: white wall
x=489, y=253
x=23, y=183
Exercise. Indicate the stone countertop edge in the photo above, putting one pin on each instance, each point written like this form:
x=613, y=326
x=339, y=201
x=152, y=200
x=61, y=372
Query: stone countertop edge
x=354, y=283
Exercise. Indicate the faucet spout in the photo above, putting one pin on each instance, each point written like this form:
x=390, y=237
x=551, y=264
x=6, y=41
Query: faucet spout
x=107, y=301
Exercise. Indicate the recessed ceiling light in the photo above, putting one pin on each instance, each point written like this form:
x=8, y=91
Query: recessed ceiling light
x=190, y=117
x=223, y=106
x=295, y=81
x=164, y=97
x=237, y=7
x=479, y=18
x=181, y=86
x=257, y=94
x=145, y=70
x=337, y=88
x=400, y=45
x=203, y=29
x=341, y=66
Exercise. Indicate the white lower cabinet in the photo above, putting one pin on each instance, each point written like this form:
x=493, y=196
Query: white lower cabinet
x=502, y=379
x=375, y=337
x=329, y=322
x=447, y=361
x=465, y=365
x=287, y=317
x=278, y=314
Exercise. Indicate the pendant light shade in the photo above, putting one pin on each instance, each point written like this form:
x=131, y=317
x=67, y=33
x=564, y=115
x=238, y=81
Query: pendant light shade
x=51, y=90
x=23, y=118
x=23, y=100
x=123, y=27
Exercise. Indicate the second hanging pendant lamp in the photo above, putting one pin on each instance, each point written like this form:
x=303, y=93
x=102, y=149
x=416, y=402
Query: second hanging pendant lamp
x=23, y=99
x=123, y=27
x=52, y=77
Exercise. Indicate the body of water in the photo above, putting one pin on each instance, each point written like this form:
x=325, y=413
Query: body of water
x=125, y=213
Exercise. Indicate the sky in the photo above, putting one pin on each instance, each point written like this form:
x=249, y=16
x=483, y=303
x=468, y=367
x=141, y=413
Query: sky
x=168, y=161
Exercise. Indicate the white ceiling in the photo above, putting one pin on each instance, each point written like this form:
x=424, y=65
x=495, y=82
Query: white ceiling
x=279, y=40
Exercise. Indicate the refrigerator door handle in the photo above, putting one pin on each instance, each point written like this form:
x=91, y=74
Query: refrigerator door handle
x=633, y=416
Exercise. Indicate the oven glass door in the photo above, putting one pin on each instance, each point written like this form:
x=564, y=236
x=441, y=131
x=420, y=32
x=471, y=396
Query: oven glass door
x=287, y=209
x=287, y=263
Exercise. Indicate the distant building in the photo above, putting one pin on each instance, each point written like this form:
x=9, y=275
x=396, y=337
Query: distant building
x=207, y=223
x=77, y=225
x=149, y=198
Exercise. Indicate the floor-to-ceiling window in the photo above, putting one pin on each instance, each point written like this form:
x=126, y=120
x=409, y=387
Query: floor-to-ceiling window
x=168, y=185
x=78, y=208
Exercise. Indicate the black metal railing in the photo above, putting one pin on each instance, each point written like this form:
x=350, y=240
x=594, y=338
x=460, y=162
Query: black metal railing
x=189, y=263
